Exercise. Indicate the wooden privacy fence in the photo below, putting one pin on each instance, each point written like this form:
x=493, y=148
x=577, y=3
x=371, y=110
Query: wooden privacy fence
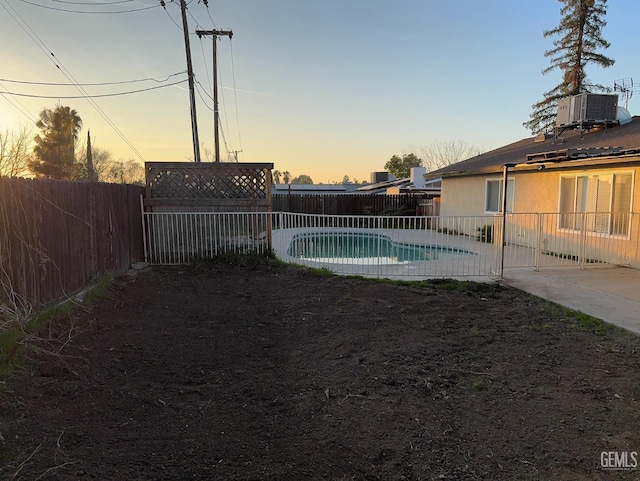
x=56, y=236
x=350, y=204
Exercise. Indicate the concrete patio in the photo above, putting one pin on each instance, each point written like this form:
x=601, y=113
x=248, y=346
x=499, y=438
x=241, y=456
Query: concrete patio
x=608, y=293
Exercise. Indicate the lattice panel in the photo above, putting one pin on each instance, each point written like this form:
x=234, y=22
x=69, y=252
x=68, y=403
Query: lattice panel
x=207, y=181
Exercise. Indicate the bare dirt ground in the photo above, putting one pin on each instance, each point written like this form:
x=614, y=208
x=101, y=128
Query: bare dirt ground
x=276, y=373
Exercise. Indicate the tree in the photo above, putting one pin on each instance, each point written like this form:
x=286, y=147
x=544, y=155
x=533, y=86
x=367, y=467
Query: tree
x=276, y=176
x=302, y=179
x=286, y=176
x=401, y=166
x=102, y=162
x=14, y=152
x=106, y=169
x=123, y=172
x=54, y=152
x=580, y=32
x=442, y=153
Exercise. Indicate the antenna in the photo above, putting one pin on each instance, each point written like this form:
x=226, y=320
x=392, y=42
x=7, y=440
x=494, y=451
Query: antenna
x=625, y=88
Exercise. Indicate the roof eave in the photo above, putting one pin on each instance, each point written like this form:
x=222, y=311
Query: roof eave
x=548, y=165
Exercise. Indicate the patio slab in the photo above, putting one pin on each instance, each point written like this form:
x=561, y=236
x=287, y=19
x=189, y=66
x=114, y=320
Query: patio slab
x=608, y=293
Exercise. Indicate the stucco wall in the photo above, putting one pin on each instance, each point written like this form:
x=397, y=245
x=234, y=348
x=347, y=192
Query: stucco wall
x=535, y=191
x=538, y=192
x=462, y=196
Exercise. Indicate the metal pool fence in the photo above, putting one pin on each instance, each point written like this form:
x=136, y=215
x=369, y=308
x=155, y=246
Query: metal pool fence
x=577, y=239
x=398, y=247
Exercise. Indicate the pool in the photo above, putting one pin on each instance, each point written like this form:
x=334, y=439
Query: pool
x=356, y=246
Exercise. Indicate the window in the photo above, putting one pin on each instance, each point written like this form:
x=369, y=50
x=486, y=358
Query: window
x=601, y=202
x=493, y=195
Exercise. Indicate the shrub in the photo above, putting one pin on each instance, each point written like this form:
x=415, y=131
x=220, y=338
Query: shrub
x=485, y=234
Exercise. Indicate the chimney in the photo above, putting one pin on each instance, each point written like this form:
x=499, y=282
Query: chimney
x=417, y=177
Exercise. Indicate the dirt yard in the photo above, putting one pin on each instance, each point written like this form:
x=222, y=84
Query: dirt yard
x=275, y=373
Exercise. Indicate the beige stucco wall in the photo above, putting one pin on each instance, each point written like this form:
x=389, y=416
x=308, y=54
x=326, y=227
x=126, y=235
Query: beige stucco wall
x=535, y=191
x=462, y=196
x=538, y=192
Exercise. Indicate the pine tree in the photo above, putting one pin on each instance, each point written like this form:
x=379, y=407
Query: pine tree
x=580, y=32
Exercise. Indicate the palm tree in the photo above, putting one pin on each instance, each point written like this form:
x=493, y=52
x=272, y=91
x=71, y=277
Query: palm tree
x=55, y=145
x=276, y=176
x=286, y=176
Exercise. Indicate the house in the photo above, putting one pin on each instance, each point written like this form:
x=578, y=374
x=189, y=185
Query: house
x=586, y=177
x=414, y=184
x=313, y=189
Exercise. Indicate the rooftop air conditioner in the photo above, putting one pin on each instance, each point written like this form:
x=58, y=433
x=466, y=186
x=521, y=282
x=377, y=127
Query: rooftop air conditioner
x=377, y=177
x=587, y=108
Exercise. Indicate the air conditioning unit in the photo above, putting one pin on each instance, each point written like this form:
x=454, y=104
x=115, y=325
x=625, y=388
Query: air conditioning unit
x=377, y=177
x=587, y=108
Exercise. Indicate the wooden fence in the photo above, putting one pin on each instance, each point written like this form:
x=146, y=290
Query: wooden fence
x=351, y=204
x=56, y=236
x=208, y=187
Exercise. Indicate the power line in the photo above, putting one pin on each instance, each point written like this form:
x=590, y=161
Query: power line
x=26, y=82
x=115, y=2
x=66, y=10
x=224, y=109
x=211, y=18
x=171, y=18
x=200, y=90
x=235, y=94
x=224, y=139
x=205, y=92
x=206, y=66
x=194, y=19
x=50, y=55
x=23, y=110
x=87, y=96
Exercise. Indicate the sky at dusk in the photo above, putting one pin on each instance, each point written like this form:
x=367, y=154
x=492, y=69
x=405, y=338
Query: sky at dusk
x=323, y=88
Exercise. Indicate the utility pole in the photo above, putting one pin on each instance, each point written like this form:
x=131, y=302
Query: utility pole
x=216, y=115
x=235, y=154
x=192, y=97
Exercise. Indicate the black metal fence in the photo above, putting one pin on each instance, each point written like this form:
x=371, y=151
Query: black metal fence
x=350, y=204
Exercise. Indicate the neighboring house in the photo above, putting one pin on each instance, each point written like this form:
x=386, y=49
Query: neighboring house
x=415, y=184
x=588, y=178
x=315, y=189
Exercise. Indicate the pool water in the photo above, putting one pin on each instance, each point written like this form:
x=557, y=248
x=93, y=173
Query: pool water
x=343, y=246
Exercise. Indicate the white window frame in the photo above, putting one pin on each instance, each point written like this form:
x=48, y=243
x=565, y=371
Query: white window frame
x=589, y=201
x=511, y=185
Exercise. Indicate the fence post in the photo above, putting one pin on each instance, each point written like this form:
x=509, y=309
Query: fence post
x=144, y=229
x=583, y=240
x=505, y=183
x=538, y=247
x=635, y=260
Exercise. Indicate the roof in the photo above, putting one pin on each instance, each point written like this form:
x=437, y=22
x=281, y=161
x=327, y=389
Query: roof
x=430, y=185
x=570, y=145
x=312, y=188
x=382, y=186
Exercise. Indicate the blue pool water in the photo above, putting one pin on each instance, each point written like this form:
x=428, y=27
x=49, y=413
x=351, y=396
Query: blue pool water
x=351, y=245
